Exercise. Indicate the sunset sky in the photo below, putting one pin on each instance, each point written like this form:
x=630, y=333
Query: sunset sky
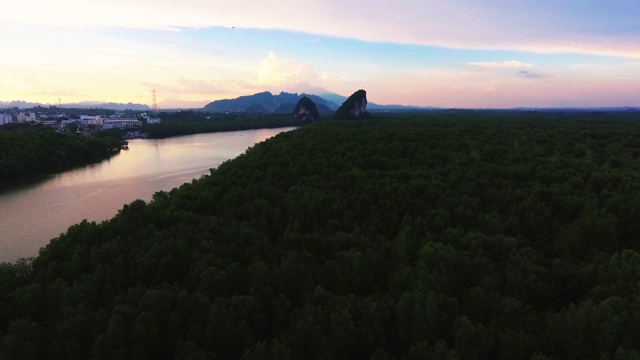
x=446, y=53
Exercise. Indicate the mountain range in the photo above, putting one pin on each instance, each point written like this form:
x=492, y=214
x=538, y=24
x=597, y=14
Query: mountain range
x=81, y=105
x=284, y=102
x=268, y=102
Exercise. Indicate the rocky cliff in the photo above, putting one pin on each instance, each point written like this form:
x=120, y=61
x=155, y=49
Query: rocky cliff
x=355, y=107
x=306, y=110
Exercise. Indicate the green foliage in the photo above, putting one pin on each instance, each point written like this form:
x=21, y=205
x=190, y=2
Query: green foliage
x=27, y=151
x=472, y=236
x=192, y=122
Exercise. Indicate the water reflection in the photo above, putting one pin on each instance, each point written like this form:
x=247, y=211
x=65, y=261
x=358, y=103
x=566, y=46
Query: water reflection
x=32, y=215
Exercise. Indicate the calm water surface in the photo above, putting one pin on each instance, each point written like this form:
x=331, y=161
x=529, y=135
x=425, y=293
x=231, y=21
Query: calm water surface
x=33, y=215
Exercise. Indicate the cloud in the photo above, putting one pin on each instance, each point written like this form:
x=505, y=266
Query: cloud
x=503, y=66
x=529, y=74
x=590, y=26
x=601, y=27
x=276, y=74
x=49, y=88
x=191, y=86
x=187, y=86
x=500, y=64
x=491, y=88
x=326, y=76
x=282, y=72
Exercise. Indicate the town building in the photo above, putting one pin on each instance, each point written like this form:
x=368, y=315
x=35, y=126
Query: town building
x=121, y=123
x=26, y=117
x=6, y=119
x=50, y=122
x=149, y=119
x=96, y=120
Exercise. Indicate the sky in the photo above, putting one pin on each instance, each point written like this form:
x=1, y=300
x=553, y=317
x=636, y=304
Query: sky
x=444, y=53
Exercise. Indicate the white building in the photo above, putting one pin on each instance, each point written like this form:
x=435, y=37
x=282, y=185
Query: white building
x=150, y=119
x=121, y=123
x=50, y=122
x=24, y=117
x=92, y=120
x=98, y=121
x=6, y=119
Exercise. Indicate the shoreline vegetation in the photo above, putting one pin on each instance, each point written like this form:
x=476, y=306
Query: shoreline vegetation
x=466, y=235
x=31, y=152
x=195, y=122
x=28, y=152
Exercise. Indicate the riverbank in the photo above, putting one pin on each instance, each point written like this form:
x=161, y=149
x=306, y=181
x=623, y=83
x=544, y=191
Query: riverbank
x=194, y=122
x=36, y=151
x=33, y=213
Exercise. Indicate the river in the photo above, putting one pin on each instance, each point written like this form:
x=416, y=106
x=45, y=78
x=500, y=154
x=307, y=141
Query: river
x=32, y=215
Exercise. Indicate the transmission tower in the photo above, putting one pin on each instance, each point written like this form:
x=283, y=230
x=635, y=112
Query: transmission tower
x=154, y=103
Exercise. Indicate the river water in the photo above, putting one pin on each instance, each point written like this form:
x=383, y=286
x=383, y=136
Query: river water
x=32, y=215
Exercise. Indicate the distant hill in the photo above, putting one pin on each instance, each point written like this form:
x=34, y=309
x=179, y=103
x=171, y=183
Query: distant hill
x=324, y=109
x=19, y=104
x=286, y=108
x=355, y=107
x=373, y=107
x=80, y=105
x=333, y=97
x=269, y=101
x=255, y=108
x=578, y=109
x=116, y=106
x=326, y=103
x=306, y=110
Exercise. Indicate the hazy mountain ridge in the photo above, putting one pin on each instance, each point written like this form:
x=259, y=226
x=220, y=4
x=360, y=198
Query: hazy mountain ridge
x=269, y=101
x=81, y=105
x=325, y=101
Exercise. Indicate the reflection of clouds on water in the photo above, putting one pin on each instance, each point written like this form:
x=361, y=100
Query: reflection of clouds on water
x=192, y=173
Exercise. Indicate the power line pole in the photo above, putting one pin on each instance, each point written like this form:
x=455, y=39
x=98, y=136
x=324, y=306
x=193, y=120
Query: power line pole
x=154, y=104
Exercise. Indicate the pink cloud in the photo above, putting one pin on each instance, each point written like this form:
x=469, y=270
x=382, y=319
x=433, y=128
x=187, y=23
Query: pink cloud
x=598, y=27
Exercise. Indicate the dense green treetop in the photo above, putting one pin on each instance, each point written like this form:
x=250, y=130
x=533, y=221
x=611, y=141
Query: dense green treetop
x=195, y=122
x=28, y=150
x=449, y=236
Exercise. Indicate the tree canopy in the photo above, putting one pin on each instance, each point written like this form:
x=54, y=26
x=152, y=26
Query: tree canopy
x=27, y=150
x=444, y=236
x=195, y=122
